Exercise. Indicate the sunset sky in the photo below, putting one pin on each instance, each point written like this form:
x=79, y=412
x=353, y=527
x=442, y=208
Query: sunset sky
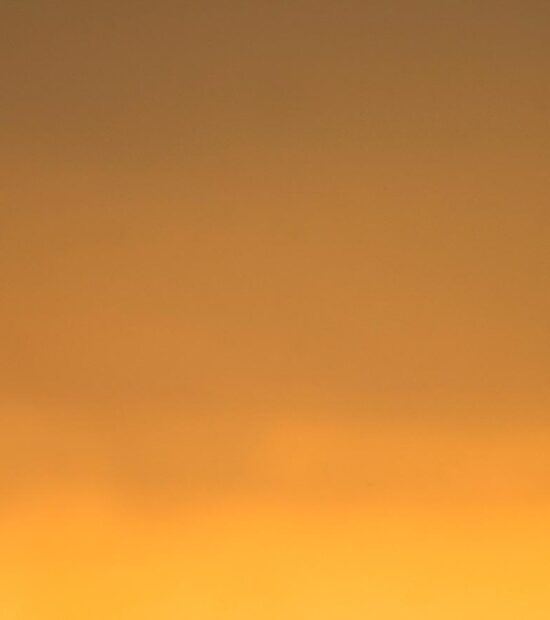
x=274, y=300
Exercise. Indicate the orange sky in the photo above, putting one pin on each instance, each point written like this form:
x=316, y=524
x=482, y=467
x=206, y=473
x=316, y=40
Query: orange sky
x=273, y=314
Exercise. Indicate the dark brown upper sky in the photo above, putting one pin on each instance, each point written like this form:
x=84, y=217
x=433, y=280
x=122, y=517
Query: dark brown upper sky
x=217, y=216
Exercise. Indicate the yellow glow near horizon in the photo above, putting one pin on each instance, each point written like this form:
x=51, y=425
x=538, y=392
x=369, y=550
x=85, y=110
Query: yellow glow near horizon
x=243, y=560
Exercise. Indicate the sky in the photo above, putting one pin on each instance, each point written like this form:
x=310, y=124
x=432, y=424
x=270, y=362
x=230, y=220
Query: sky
x=273, y=309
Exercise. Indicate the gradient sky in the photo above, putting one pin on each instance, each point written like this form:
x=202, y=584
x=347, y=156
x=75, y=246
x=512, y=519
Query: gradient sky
x=268, y=263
